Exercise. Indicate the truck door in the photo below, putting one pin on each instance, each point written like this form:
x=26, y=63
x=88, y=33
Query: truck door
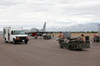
x=4, y=33
x=8, y=35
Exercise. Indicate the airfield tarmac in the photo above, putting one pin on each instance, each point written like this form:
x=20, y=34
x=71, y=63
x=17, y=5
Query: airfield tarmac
x=39, y=52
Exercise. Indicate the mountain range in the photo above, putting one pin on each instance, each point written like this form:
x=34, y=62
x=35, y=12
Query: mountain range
x=80, y=27
x=75, y=28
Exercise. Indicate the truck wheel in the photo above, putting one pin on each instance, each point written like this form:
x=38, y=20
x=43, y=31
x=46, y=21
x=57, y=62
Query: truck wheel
x=6, y=41
x=26, y=42
x=14, y=42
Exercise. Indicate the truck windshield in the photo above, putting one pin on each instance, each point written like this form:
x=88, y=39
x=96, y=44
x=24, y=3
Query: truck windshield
x=18, y=33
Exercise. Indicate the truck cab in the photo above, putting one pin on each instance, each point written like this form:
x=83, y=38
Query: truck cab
x=14, y=35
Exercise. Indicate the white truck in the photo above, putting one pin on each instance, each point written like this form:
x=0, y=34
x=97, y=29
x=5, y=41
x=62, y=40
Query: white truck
x=14, y=35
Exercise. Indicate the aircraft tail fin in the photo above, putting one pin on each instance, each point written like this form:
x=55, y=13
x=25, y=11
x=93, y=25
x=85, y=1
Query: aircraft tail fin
x=44, y=27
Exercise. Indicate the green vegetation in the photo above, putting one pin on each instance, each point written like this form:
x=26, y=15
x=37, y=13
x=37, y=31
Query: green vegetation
x=86, y=32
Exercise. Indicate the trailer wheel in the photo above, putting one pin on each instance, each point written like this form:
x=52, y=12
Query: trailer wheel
x=80, y=49
x=70, y=47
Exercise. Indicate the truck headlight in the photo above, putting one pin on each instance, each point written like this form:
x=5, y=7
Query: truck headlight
x=26, y=37
x=17, y=38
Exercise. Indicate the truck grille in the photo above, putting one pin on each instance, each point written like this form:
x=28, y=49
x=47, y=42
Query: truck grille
x=22, y=37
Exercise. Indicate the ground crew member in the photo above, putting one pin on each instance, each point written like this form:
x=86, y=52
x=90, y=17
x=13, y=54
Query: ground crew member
x=61, y=36
x=82, y=38
x=61, y=40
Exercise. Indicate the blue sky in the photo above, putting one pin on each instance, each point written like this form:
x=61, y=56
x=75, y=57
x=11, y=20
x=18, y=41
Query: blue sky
x=57, y=13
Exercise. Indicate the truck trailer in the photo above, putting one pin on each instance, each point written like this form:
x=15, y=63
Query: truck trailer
x=14, y=35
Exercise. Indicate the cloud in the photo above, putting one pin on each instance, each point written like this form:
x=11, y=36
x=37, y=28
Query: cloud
x=57, y=13
x=10, y=2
